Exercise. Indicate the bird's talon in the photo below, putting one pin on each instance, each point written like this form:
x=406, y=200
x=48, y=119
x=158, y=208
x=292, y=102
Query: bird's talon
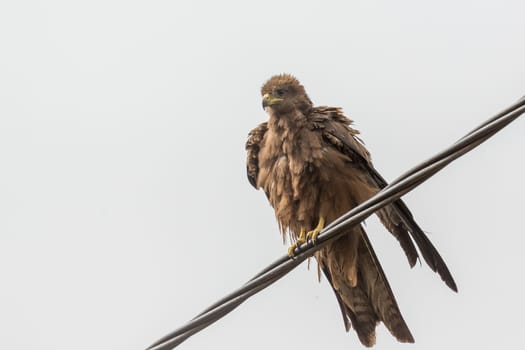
x=293, y=246
x=312, y=235
x=300, y=240
x=291, y=250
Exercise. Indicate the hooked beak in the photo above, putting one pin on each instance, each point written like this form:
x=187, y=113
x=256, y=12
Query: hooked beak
x=269, y=101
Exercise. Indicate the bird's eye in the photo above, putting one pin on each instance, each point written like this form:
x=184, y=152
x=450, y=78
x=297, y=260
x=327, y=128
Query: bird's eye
x=280, y=92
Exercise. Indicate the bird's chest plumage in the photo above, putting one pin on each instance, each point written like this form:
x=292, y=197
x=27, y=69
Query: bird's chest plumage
x=291, y=174
x=287, y=159
x=305, y=177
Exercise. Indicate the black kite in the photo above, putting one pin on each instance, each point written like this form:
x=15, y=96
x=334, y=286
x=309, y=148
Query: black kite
x=313, y=168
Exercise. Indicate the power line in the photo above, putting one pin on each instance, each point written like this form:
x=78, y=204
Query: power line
x=399, y=187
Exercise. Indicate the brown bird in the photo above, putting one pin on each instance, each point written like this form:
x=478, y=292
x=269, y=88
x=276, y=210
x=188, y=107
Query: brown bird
x=313, y=168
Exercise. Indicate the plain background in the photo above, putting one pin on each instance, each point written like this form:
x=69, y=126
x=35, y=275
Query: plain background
x=124, y=204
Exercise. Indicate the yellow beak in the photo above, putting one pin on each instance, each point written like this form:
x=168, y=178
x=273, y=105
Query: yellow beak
x=269, y=101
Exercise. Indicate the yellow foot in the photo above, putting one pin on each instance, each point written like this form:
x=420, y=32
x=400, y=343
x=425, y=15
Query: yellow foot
x=298, y=242
x=312, y=235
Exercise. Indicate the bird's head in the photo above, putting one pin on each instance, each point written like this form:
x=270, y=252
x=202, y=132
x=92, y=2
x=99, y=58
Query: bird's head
x=283, y=93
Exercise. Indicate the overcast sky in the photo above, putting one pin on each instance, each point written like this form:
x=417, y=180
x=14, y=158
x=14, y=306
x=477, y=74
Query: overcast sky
x=124, y=204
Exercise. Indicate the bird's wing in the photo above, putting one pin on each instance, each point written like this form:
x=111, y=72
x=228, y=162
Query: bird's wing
x=336, y=131
x=253, y=145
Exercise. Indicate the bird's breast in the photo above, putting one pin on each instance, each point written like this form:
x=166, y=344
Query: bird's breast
x=287, y=159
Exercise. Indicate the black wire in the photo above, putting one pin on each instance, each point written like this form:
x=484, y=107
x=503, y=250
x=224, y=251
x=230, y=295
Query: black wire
x=403, y=184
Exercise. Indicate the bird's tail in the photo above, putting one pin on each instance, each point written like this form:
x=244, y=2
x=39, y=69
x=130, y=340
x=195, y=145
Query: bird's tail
x=361, y=287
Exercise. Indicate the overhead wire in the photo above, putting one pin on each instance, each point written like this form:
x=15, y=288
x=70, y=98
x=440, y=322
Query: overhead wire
x=396, y=189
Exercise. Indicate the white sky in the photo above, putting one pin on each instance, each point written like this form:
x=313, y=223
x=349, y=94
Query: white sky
x=124, y=204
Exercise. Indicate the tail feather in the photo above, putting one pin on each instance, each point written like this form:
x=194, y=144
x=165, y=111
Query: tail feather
x=371, y=300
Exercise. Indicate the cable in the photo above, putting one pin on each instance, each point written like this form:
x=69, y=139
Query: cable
x=399, y=187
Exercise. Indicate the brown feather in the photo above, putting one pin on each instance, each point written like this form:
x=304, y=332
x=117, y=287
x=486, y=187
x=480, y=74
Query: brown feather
x=397, y=218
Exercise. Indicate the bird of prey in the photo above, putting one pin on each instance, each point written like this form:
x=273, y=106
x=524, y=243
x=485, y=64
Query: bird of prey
x=313, y=168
